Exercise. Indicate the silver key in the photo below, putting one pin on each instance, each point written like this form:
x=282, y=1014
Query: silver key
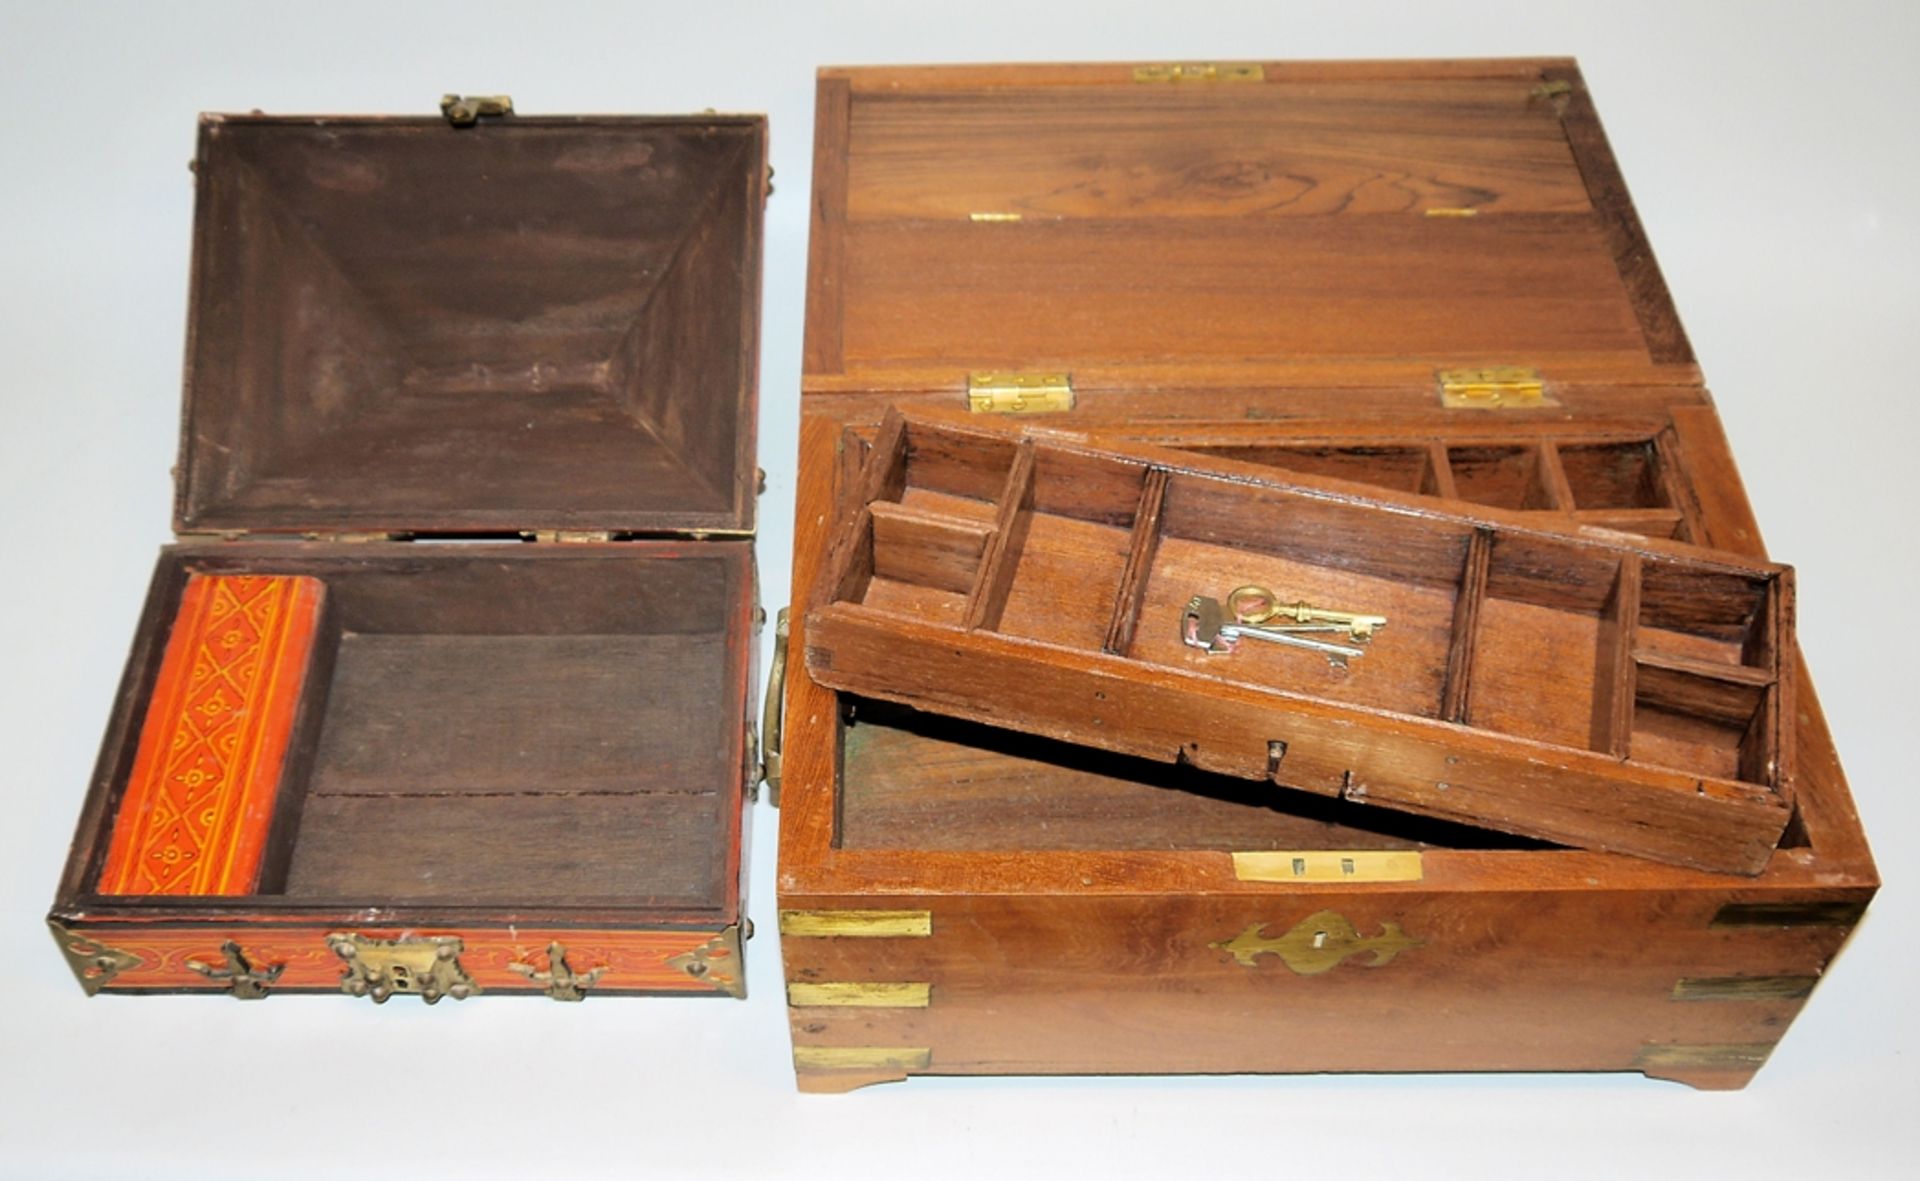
x=1204, y=625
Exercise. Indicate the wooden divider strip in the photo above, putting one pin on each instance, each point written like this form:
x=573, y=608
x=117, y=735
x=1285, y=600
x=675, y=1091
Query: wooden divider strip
x=1553, y=477
x=1614, y=671
x=1132, y=592
x=1455, y=695
x=989, y=596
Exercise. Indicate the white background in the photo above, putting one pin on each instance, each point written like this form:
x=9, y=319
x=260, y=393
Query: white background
x=1771, y=149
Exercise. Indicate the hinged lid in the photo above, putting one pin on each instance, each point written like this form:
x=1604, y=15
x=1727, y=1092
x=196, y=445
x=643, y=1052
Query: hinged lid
x=473, y=323
x=1176, y=227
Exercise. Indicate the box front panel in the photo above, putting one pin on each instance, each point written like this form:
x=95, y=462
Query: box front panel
x=1298, y=981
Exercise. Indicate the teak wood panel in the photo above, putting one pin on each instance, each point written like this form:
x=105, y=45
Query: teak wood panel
x=982, y=218
x=1707, y=786
x=1787, y=922
x=533, y=733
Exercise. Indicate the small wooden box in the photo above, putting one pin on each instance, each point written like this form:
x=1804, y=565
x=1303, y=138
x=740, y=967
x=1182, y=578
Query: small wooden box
x=1418, y=284
x=517, y=764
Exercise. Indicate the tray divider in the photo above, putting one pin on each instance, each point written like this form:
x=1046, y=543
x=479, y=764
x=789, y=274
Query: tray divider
x=1666, y=454
x=1553, y=478
x=1132, y=592
x=988, y=599
x=1614, y=671
x=1456, y=693
x=1438, y=479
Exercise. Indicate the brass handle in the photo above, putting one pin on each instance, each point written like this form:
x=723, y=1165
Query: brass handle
x=773, y=716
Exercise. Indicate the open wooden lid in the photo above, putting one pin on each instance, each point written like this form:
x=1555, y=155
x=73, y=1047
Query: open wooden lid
x=1257, y=225
x=527, y=324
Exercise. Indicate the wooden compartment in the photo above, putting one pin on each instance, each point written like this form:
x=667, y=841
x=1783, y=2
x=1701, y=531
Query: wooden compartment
x=1477, y=609
x=515, y=765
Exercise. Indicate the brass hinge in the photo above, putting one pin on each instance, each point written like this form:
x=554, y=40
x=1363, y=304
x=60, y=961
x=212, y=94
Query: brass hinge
x=464, y=110
x=774, y=712
x=354, y=537
x=1494, y=387
x=569, y=536
x=1200, y=72
x=1019, y=393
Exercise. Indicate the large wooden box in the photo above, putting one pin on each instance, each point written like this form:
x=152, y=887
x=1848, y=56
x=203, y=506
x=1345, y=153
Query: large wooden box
x=1420, y=284
x=444, y=689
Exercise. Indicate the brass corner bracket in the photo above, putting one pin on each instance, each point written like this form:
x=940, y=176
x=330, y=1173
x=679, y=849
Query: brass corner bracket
x=716, y=962
x=94, y=964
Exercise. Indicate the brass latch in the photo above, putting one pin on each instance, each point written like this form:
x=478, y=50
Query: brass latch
x=242, y=979
x=464, y=110
x=1497, y=386
x=426, y=965
x=1200, y=72
x=1019, y=393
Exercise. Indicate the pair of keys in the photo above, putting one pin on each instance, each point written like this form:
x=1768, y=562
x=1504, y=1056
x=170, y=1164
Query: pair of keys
x=1250, y=612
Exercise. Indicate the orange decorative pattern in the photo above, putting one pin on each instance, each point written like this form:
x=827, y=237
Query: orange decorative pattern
x=628, y=961
x=199, y=801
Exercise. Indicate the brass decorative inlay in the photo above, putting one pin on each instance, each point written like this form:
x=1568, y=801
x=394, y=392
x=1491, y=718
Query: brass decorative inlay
x=1019, y=393
x=1744, y=988
x=860, y=994
x=425, y=965
x=1328, y=865
x=1453, y=211
x=1492, y=387
x=1200, y=72
x=94, y=964
x=857, y=924
x=243, y=979
x=561, y=981
x=716, y=962
x=1317, y=944
x=862, y=1057
x=773, y=716
x=466, y=110
x=995, y=216
x=1789, y=914
x=1728, y=1056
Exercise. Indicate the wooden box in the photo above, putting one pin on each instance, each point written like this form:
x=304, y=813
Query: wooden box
x=444, y=688
x=1023, y=831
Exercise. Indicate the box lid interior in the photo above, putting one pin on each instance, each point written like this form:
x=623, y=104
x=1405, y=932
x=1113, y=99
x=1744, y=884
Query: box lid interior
x=531, y=324
x=1329, y=223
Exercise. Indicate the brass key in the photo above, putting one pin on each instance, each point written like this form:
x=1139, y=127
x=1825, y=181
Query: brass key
x=1258, y=605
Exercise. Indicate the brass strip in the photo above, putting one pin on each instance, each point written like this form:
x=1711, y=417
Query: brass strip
x=861, y=994
x=857, y=924
x=1329, y=865
x=993, y=216
x=1464, y=211
x=1744, y=988
x=862, y=1057
x=1789, y=914
x=1730, y=1056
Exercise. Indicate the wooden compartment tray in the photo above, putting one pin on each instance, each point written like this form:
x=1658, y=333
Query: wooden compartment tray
x=1571, y=687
